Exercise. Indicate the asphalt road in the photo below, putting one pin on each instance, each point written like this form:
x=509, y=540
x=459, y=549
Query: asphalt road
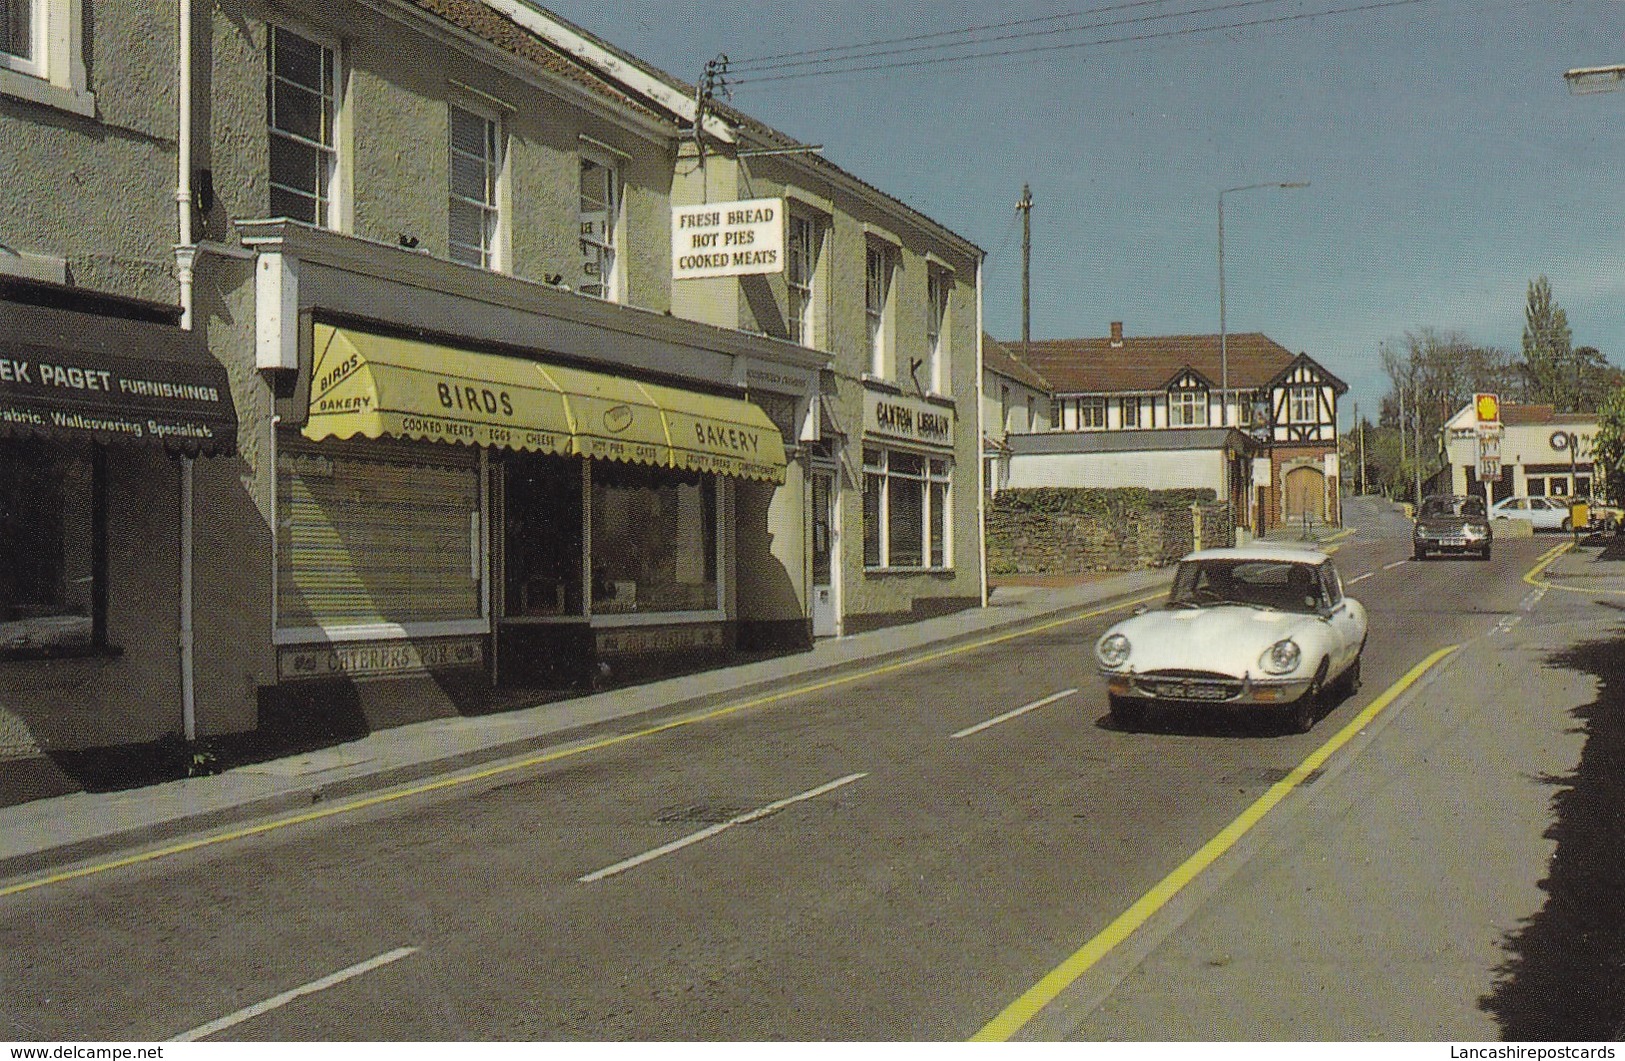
x=903, y=857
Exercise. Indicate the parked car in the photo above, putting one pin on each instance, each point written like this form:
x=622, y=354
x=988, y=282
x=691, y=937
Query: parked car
x=1450, y=523
x=1254, y=628
x=1542, y=513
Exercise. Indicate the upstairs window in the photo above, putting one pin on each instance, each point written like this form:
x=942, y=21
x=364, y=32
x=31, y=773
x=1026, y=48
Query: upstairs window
x=1187, y=409
x=937, y=285
x=800, y=272
x=301, y=103
x=475, y=167
x=599, y=224
x=1091, y=413
x=42, y=54
x=17, y=33
x=1304, y=407
x=877, y=292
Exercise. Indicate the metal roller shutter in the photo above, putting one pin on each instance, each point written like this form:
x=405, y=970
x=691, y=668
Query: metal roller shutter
x=376, y=533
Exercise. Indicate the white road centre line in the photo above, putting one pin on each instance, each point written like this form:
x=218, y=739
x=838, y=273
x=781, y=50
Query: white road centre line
x=1359, y=578
x=1008, y=715
x=1396, y=563
x=710, y=831
x=278, y=1001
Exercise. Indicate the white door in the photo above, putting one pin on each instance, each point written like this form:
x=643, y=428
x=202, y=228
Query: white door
x=826, y=617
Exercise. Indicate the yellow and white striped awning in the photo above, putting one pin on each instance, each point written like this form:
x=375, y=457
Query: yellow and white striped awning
x=374, y=385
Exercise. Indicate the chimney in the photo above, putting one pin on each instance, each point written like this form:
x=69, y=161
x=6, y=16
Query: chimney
x=1117, y=334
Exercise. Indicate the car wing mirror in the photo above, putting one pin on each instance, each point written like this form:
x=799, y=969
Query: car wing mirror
x=1142, y=609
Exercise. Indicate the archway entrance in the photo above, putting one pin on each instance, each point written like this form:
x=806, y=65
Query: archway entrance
x=1304, y=491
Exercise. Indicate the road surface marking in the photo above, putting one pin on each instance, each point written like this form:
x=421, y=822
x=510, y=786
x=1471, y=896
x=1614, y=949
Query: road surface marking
x=710, y=831
x=1550, y=557
x=555, y=755
x=1008, y=715
x=278, y=1001
x=1396, y=563
x=1359, y=578
x=1041, y=994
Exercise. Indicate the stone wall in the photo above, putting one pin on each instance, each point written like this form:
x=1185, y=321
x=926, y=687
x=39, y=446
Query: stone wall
x=1059, y=531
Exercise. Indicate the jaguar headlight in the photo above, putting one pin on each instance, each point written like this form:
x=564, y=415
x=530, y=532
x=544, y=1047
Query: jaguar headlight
x=1281, y=657
x=1112, y=650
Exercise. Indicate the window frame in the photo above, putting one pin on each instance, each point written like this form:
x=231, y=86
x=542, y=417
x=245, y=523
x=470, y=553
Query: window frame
x=1123, y=406
x=879, y=269
x=801, y=291
x=97, y=533
x=331, y=206
x=1187, y=408
x=1309, y=397
x=493, y=253
x=935, y=483
x=53, y=72
x=1092, y=413
x=938, y=294
x=609, y=283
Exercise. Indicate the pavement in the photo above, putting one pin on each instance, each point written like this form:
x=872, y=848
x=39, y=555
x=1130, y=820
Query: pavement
x=45, y=834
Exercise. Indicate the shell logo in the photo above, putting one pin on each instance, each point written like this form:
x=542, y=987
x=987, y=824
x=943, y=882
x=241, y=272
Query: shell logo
x=1488, y=408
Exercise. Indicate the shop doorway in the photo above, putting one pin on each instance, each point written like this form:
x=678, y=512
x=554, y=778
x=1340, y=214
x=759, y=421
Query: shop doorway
x=826, y=619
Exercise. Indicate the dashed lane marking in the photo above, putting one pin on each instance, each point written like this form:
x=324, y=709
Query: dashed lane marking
x=1008, y=715
x=276, y=1002
x=707, y=833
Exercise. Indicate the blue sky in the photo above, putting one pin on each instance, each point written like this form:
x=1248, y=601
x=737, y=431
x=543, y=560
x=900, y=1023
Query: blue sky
x=1448, y=163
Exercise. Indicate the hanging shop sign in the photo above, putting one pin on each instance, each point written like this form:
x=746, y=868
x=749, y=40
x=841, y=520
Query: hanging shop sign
x=908, y=419
x=741, y=238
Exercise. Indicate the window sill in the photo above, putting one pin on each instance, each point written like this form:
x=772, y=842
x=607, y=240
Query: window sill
x=47, y=653
x=908, y=570
x=37, y=90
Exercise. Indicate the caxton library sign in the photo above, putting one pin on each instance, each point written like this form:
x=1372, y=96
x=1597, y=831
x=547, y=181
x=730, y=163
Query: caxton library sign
x=908, y=419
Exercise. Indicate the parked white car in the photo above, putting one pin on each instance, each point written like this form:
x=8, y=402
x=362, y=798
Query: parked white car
x=1253, y=628
x=1543, y=513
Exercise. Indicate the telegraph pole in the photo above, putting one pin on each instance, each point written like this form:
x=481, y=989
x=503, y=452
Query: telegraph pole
x=1026, y=208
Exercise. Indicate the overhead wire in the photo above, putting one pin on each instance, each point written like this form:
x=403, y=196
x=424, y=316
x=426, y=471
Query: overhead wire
x=1073, y=45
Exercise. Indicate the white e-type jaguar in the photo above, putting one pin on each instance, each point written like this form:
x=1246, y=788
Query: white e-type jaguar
x=1256, y=627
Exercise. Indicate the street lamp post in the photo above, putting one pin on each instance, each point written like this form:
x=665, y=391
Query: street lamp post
x=1224, y=337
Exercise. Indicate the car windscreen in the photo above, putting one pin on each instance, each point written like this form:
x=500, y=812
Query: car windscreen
x=1280, y=584
x=1453, y=506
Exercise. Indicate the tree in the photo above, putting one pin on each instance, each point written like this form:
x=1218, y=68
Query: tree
x=1438, y=372
x=1548, y=355
x=1591, y=378
x=1608, y=450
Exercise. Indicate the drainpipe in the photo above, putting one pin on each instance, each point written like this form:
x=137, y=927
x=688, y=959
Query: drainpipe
x=185, y=254
x=981, y=462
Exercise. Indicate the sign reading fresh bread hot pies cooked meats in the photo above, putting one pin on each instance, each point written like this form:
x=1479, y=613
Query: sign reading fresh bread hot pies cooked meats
x=740, y=238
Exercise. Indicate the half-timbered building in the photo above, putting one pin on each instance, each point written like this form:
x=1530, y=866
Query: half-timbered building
x=1253, y=420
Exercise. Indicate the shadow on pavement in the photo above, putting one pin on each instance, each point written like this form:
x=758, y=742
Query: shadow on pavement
x=1564, y=977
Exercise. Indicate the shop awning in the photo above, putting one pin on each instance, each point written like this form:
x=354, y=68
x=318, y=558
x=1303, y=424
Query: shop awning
x=60, y=377
x=373, y=385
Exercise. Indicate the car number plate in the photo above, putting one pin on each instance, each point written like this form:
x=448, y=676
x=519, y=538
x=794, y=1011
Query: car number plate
x=1455, y=541
x=1183, y=691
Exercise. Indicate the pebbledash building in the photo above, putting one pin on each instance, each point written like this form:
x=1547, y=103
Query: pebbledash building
x=506, y=416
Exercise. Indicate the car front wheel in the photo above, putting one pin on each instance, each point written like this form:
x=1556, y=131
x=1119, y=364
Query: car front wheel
x=1302, y=714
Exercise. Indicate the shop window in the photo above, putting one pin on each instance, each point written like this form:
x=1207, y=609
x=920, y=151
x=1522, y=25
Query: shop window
x=476, y=165
x=598, y=217
x=654, y=540
x=905, y=509
x=377, y=539
x=51, y=538
x=1582, y=486
x=1559, y=486
x=543, y=543
x=301, y=100
x=42, y=54
x=1536, y=486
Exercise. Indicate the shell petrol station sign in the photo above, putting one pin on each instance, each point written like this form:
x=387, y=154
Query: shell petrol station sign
x=1487, y=408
